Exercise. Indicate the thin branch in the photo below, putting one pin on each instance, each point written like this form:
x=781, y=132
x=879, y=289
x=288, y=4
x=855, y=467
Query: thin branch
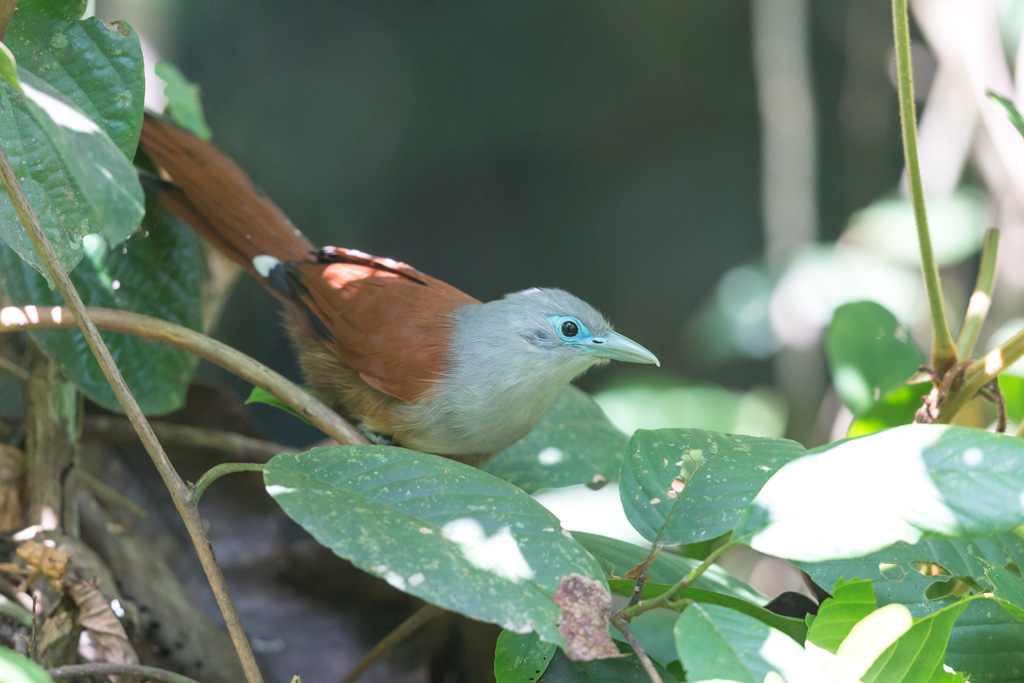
x=630, y=611
x=179, y=492
x=236, y=446
x=981, y=299
x=418, y=618
x=6, y=12
x=42, y=318
x=218, y=471
x=645, y=661
x=943, y=350
x=110, y=668
x=13, y=369
x=108, y=494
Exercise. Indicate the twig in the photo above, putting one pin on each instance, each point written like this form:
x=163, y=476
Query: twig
x=645, y=661
x=176, y=487
x=981, y=299
x=641, y=578
x=630, y=611
x=43, y=318
x=110, y=668
x=13, y=369
x=108, y=494
x=943, y=350
x=6, y=12
x=235, y=446
x=418, y=618
x=218, y=471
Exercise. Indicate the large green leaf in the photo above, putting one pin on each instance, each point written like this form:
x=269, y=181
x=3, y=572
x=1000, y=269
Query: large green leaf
x=870, y=354
x=71, y=131
x=98, y=67
x=77, y=181
x=860, y=495
x=15, y=668
x=574, y=443
x=715, y=642
x=917, y=656
x=521, y=657
x=689, y=485
x=445, y=532
x=985, y=641
x=152, y=273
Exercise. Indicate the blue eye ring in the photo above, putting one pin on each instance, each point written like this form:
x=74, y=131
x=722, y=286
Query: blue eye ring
x=569, y=329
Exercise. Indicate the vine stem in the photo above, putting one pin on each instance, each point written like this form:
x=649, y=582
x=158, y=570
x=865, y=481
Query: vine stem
x=179, y=492
x=234, y=361
x=110, y=668
x=629, y=612
x=943, y=349
x=218, y=471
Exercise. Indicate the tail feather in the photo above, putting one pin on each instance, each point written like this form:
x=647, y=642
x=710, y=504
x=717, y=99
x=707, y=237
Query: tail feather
x=216, y=197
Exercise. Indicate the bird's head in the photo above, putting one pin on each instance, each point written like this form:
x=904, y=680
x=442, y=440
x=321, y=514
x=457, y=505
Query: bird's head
x=544, y=332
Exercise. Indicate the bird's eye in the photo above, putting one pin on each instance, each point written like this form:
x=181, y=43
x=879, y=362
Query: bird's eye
x=570, y=329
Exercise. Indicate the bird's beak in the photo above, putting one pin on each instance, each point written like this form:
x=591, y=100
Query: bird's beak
x=613, y=345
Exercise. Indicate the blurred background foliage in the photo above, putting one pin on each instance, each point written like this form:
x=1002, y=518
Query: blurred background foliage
x=717, y=177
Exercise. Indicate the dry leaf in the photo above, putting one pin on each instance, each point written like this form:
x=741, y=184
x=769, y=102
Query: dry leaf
x=584, y=621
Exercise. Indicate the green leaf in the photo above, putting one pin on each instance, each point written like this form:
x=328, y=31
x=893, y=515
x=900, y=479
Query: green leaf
x=71, y=134
x=870, y=354
x=258, y=395
x=688, y=485
x=851, y=601
x=152, y=273
x=715, y=642
x=985, y=642
x=896, y=408
x=917, y=656
x=574, y=443
x=521, y=657
x=445, y=532
x=183, y=101
x=1009, y=110
x=96, y=66
x=76, y=180
x=9, y=67
x=626, y=670
x=860, y=495
x=15, y=668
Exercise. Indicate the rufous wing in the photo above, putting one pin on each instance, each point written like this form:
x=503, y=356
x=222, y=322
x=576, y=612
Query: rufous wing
x=388, y=321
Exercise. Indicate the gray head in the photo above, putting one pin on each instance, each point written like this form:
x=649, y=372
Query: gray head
x=544, y=332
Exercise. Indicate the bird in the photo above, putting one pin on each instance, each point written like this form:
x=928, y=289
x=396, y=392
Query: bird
x=411, y=359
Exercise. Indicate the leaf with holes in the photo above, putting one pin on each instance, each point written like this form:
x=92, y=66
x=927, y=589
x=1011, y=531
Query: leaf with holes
x=984, y=640
x=445, y=532
x=574, y=443
x=688, y=485
x=152, y=273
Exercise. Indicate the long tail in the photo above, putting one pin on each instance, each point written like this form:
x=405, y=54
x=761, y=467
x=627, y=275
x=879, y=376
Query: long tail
x=213, y=195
